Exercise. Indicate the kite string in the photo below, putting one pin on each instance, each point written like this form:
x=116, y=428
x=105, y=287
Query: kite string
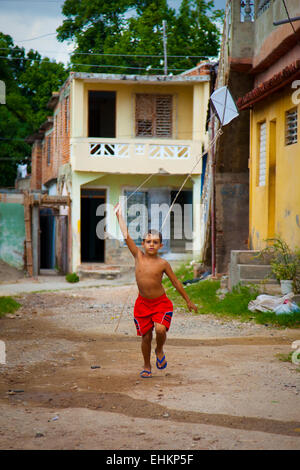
x=219, y=132
x=157, y=173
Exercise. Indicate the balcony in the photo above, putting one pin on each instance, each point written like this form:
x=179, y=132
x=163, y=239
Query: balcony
x=136, y=156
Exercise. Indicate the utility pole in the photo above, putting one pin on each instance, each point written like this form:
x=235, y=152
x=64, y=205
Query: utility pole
x=165, y=48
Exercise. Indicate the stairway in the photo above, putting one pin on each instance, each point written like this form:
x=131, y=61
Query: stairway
x=245, y=268
x=98, y=271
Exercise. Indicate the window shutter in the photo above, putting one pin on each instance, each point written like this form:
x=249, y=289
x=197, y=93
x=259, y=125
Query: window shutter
x=153, y=115
x=144, y=115
x=164, y=116
x=291, y=127
x=262, y=155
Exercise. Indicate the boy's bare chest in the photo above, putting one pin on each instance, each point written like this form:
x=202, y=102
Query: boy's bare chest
x=149, y=268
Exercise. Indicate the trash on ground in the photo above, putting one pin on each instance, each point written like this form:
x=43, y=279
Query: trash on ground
x=273, y=303
x=197, y=279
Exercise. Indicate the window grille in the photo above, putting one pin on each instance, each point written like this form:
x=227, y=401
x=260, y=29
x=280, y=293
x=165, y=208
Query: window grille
x=291, y=127
x=153, y=115
x=263, y=5
x=262, y=154
x=48, y=150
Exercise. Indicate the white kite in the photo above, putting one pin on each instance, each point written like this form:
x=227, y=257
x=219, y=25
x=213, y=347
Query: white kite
x=224, y=105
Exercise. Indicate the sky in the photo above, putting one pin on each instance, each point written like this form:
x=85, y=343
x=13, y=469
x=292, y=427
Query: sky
x=25, y=20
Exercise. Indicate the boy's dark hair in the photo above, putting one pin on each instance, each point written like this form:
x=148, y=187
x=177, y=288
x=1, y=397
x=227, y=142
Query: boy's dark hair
x=152, y=231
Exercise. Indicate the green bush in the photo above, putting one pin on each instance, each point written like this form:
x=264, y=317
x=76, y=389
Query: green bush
x=8, y=305
x=72, y=277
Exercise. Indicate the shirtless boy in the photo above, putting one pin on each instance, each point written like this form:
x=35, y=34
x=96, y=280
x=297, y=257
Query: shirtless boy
x=152, y=307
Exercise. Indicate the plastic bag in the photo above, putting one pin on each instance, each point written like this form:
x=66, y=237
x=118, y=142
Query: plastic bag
x=272, y=303
x=286, y=307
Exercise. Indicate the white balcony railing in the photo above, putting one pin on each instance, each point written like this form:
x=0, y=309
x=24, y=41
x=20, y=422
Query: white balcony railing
x=155, y=150
x=135, y=155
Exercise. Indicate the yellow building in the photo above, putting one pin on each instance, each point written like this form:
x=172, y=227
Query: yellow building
x=275, y=171
x=274, y=103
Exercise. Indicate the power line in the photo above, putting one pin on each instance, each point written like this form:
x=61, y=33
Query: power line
x=32, y=1
x=108, y=54
x=149, y=68
x=288, y=15
x=37, y=37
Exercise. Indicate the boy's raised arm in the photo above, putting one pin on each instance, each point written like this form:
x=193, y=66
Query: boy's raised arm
x=130, y=243
x=179, y=287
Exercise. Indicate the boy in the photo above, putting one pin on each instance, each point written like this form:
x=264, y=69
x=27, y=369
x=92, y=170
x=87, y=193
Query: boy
x=152, y=307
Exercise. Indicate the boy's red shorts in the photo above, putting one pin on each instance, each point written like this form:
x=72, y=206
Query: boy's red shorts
x=150, y=311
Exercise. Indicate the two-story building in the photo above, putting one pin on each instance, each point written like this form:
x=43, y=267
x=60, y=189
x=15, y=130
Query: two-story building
x=274, y=104
x=130, y=137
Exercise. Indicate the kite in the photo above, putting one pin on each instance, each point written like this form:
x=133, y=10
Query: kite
x=224, y=105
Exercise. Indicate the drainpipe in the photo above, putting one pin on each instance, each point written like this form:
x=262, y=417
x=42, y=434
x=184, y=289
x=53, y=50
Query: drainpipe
x=213, y=200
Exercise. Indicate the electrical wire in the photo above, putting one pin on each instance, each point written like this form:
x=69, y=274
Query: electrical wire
x=37, y=37
x=104, y=54
x=289, y=18
x=148, y=68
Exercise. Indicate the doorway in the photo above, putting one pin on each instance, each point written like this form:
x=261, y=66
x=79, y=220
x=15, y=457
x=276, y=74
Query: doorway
x=47, y=239
x=272, y=181
x=182, y=221
x=102, y=114
x=92, y=230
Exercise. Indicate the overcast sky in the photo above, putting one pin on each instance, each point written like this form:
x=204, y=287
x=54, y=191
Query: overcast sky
x=29, y=19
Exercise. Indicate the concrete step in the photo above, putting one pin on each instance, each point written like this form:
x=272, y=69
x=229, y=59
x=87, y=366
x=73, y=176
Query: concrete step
x=98, y=271
x=247, y=267
x=265, y=287
x=255, y=271
x=249, y=257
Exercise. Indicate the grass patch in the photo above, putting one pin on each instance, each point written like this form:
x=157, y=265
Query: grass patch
x=72, y=277
x=8, y=305
x=284, y=357
x=234, y=305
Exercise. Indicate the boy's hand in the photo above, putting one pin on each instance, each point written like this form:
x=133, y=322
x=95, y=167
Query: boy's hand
x=192, y=306
x=117, y=209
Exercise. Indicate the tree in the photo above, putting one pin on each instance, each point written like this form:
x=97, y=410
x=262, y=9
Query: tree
x=124, y=37
x=29, y=81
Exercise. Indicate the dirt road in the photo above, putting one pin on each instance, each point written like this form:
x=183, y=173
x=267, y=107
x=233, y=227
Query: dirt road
x=71, y=382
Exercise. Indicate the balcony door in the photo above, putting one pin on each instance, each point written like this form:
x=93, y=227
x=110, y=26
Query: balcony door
x=102, y=114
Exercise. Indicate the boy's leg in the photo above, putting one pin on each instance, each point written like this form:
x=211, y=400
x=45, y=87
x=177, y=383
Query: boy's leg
x=161, y=336
x=146, y=349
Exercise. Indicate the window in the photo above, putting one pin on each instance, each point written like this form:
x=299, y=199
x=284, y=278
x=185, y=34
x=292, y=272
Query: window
x=153, y=115
x=102, y=114
x=48, y=150
x=262, y=154
x=67, y=115
x=56, y=133
x=291, y=127
x=137, y=214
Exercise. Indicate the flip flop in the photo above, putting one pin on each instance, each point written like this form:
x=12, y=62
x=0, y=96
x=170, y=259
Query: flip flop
x=160, y=361
x=146, y=376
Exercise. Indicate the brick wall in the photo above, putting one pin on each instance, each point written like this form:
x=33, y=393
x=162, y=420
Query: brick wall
x=54, y=150
x=36, y=165
x=200, y=69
